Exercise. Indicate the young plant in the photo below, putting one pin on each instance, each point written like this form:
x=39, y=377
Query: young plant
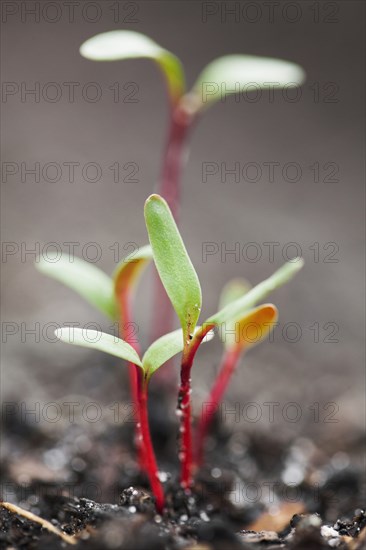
x=237, y=338
x=181, y=283
x=183, y=288
x=180, y=280
x=112, y=296
x=223, y=76
x=156, y=355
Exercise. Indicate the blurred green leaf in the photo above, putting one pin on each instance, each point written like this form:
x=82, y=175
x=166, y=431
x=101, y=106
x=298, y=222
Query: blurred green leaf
x=234, y=289
x=235, y=310
x=231, y=73
x=175, y=268
x=85, y=278
x=118, y=45
x=100, y=341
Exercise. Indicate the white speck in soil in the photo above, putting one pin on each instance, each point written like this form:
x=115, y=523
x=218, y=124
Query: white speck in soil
x=293, y=474
x=163, y=476
x=327, y=531
x=158, y=519
x=216, y=473
x=204, y=516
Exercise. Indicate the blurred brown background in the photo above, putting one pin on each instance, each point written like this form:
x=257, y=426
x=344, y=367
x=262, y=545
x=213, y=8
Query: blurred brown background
x=325, y=125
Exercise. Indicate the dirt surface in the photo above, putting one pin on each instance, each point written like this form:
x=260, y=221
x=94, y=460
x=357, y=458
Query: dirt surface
x=89, y=486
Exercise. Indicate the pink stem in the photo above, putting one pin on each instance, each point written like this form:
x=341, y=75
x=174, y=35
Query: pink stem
x=150, y=460
x=228, y=365
x=125, y=320
x=146, y=455
x=172, y=164
x=184, y=408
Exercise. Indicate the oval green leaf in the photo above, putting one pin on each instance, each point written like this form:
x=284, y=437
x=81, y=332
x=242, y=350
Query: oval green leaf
x=235, y=310
x=165, y=348
x=231, y=73
x=174, y=266
x=85, y=278
x=118, y=45
x=99, y=341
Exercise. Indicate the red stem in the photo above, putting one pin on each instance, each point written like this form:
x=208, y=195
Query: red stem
x=228, y=365
x=184, y=408
x=125, y=320
x=150, y=460
x=146, y=455
x=172, y=163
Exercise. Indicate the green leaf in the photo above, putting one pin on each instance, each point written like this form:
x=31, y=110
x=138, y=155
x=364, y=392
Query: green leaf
x=161, y=351
x=84, y=278
x=173, y=264
x=251, y=329
x=164, y=349
x=118, y=45
x=232, y=73
x=235, y=310
x=156, y=355
x=100, y=341
x=129, y=270
x=234, y=289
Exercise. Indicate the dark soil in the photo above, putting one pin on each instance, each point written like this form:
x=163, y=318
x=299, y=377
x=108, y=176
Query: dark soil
x=90, y=486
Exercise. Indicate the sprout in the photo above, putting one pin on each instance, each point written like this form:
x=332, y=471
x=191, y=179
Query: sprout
x=111, y=296
x=157, y=354
x=220, y=78
x=248, y=324
x=178, y=284
x=237, y=337
x=181, y=283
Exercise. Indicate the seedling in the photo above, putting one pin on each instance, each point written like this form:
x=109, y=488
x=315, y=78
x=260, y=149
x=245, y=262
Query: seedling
x=112, y=296
x=157, y=354
x=182, y=285
x=223, y=76
x=237, y=338
x=179, y=284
